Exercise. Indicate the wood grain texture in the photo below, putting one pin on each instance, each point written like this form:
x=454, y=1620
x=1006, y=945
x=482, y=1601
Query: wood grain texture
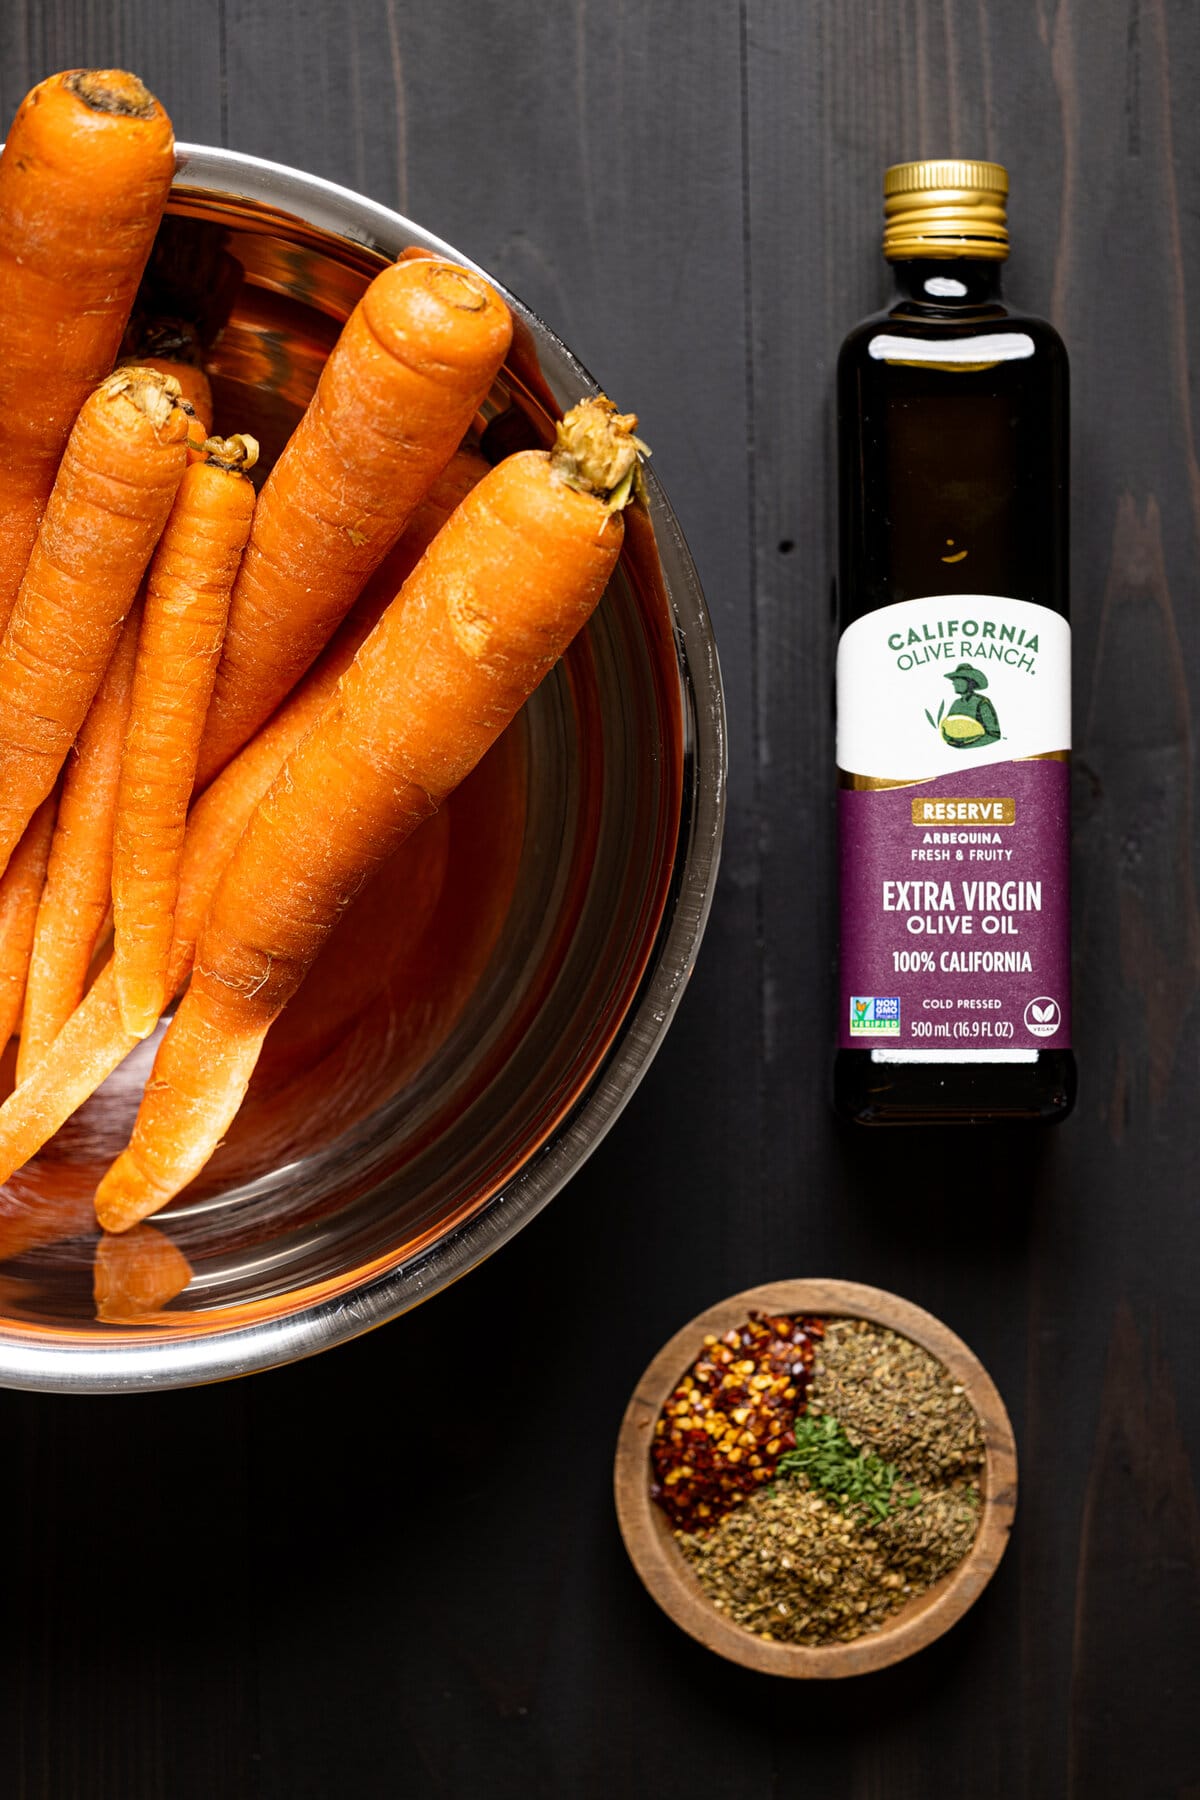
x=396, y=1569
x=668, y=1578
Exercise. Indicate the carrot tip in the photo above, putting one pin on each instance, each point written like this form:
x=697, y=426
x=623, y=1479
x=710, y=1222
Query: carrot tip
x=139, y=1022
x=140, y=997
x=123, y=1198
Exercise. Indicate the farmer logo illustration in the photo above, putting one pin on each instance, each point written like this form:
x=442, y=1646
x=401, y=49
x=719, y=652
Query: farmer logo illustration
x=971, y=722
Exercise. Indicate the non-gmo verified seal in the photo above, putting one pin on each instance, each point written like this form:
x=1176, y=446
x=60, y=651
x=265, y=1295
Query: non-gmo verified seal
x=874, y=1015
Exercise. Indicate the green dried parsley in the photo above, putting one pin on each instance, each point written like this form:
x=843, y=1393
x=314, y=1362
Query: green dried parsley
x=854, y=1477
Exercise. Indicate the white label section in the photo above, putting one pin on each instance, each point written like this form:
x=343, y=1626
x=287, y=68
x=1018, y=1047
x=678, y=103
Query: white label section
x=953, y=681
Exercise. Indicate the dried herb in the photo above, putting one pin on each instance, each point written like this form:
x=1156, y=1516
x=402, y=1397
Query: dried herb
x=792, y=1567
x=890, y=1395
x=856, y=1478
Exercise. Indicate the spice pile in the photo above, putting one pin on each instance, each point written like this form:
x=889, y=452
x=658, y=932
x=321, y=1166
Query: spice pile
x=863, y=1499
x=723, y=1430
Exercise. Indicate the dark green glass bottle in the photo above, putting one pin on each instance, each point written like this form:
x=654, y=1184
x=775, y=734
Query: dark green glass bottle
x=953, y=679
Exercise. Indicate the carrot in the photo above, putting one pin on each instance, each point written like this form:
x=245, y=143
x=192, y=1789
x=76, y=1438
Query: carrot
x=183, y=624
x=512, y=576
x=123, y=461
x=399, y=389
x=94, y=1041
x=223, y=811
x=20, y=891
x=79, y=874
x=83, y=182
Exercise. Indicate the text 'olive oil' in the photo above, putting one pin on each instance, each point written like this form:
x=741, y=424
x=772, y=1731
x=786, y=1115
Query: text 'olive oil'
x=953, y=679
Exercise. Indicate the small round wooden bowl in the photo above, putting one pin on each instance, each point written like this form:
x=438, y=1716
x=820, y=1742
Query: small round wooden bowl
x=671, y=1580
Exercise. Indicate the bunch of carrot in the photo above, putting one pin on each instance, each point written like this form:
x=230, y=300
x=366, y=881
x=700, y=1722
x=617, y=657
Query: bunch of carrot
x=219, y=713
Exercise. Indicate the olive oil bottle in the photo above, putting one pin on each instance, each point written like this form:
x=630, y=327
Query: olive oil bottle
x=953, y=679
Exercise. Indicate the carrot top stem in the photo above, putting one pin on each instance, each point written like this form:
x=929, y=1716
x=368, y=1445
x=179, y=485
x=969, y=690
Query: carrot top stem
x=238, y=453
x=459, y=288
x=112, y=91
x=595, y=452
x=152, y=392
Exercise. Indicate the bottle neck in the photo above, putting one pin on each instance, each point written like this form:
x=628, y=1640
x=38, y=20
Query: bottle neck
x=948, y=284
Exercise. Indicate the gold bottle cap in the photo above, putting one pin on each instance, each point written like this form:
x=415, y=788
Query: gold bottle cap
x=945, y=209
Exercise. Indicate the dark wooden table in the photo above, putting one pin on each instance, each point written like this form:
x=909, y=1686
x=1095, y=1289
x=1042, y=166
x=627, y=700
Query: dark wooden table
x=395, y=1570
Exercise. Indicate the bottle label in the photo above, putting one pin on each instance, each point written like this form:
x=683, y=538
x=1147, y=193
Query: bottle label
x=953, y=744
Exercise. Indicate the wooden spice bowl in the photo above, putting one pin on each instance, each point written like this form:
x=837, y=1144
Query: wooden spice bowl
x=671, y=1580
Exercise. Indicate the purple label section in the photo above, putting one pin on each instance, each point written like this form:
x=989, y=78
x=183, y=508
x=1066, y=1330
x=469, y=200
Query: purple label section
x=955, y=907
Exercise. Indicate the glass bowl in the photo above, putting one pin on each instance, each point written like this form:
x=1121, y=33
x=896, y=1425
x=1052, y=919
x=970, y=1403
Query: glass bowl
x=491, y=1001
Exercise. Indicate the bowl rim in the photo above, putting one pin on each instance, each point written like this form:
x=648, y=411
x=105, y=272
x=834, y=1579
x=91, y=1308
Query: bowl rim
x=138, y=1360
x=667, y=1578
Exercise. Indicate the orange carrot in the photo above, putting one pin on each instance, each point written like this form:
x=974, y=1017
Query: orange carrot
x=83, y=182
x=93, y=1041
x=221, y=814
x=183, y=625
x=123, y=461
x=512, y=576
x=400, y=388
x=20, y=891
x=78, y=887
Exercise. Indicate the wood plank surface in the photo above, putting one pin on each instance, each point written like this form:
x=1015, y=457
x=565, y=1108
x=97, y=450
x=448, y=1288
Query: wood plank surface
x=395, y=1569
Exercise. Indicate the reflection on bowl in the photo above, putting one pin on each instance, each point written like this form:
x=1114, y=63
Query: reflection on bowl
x=490, y=1002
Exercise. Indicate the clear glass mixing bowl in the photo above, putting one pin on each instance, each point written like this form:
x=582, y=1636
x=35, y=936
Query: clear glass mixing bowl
x=490, y=1003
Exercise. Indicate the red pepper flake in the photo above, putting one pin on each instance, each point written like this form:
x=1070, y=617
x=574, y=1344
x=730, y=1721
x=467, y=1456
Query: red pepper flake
x=725, y=1427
